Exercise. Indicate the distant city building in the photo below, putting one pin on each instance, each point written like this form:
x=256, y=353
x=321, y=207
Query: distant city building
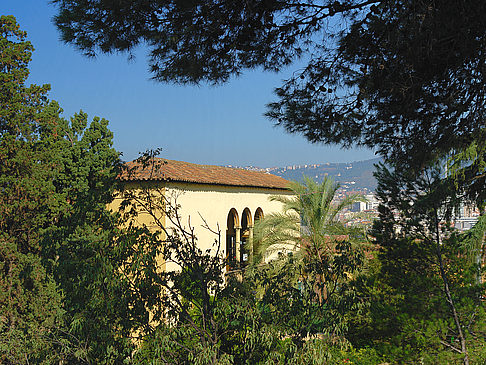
x=371, y=202
x=358, y=207
x=465, y=223
x=467, y=217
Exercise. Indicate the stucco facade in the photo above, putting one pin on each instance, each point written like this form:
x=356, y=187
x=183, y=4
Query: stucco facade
x=230, y=209
x=224, y=199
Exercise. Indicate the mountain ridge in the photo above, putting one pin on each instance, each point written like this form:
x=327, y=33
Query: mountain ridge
x=356, y=175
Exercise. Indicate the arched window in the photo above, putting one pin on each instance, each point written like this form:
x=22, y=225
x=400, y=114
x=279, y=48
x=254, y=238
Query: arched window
x=258, y=214
x=246, y=226
x=232, y=225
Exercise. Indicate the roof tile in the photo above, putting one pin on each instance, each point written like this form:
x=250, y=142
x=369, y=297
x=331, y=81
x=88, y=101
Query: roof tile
x=170, y=170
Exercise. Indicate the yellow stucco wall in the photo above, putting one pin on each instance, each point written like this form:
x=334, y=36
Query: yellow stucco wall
x=210, y=203
x=143, y=218
x=136, y=188
x=213, y=203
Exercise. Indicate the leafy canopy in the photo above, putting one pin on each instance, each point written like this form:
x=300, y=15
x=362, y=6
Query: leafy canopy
x=403, y=77
x=30, y=304
x=72, y=286
x=310, y=259
x=426, y=291
x=308, y=221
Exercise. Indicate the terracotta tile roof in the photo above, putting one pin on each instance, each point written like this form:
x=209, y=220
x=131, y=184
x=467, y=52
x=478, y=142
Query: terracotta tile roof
x=170, y=170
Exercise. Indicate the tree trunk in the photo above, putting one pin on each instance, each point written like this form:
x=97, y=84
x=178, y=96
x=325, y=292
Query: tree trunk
x=448, y=292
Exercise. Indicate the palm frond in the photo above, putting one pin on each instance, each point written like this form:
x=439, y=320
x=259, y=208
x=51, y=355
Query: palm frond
x=307, y=216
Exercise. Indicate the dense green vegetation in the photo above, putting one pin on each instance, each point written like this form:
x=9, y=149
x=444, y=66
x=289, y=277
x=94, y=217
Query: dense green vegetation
x=65, y=293
x=80, y=284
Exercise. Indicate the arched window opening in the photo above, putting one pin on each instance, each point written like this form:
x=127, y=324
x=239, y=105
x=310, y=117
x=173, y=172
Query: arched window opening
x=232, y=239
x=258, y=214
x=246, y=237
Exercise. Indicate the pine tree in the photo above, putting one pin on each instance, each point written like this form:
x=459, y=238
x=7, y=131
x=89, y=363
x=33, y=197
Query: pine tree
x=30, y=303
x=72, y=285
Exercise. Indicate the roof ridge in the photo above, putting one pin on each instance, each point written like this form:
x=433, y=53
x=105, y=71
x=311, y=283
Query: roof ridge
x=218, y=166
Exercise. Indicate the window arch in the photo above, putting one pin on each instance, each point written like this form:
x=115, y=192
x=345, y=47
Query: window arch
x=258, y=214
x=232, y=225
x=246, y=219
x=246, y=236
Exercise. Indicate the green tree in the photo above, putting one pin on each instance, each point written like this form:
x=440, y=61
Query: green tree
x=424, y=290
x=84, y=248
x=309, y=284
x=308, y=222
x=377, y=73
x=73, y=286
x=403, y=77
x=30, y=304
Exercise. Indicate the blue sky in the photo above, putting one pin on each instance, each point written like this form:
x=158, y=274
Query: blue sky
x=205, y=124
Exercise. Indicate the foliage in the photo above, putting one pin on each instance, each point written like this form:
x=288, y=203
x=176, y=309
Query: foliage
x=376, y=72
x=323, y=250
x=389, y=78
x=317, y=351
x=79, y=283
x=71, y=280
x=308, y=300
x=260, y=316
x=309, y=285
x=467, y=167
x=308, y=222
x=204, y=317
x=30, y=305
x=86, y=250
x=426, y=297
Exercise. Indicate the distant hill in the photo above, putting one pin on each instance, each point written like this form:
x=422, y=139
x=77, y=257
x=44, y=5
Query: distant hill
x=356, y=175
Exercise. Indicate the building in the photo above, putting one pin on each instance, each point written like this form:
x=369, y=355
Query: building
x=224, y=199
x=371, y=203
x=466, y=217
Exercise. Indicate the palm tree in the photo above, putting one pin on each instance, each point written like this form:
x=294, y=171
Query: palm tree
x=308, y=228
x=309, y=219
